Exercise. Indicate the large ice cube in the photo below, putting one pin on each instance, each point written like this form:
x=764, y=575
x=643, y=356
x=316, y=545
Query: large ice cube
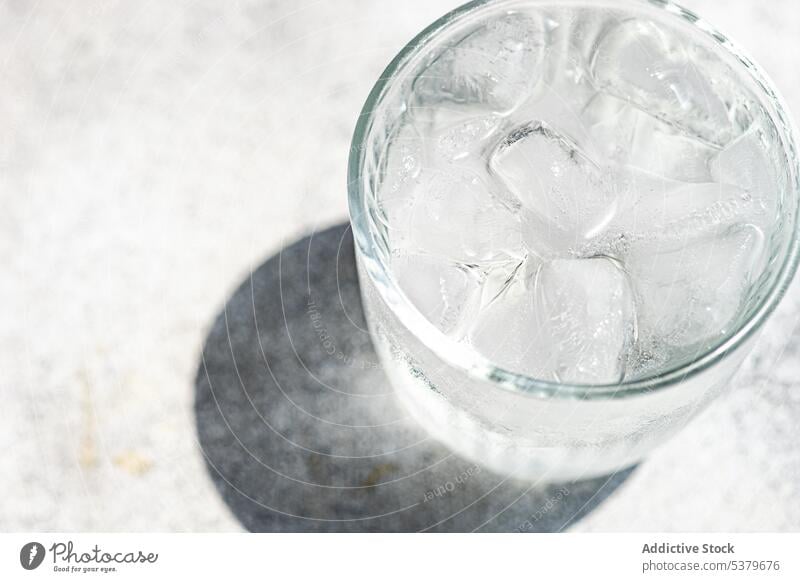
x=402, y=161
x=657, y=148
x=567, y=86
x=453, y=214
x=466, y=138
x=611, y=123
x=675, y=210
x=658, y=73
x=587, y=308
x=507, y=329
x=565, y=197
x=578, y=35
x=747, y=163
x=572, y=320
x=689, y=292
x=630, y=136
x=443, y=291
x=496, y=65
x=560, y=107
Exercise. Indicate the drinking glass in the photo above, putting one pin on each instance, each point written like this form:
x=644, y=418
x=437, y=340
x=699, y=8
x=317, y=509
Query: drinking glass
x=523, y=426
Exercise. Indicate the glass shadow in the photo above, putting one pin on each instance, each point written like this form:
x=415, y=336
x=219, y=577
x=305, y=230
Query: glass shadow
x=301, y=432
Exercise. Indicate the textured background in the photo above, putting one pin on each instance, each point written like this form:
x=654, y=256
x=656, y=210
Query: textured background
x=153, y=153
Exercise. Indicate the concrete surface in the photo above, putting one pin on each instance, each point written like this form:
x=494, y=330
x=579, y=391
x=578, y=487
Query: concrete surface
x=153, y=153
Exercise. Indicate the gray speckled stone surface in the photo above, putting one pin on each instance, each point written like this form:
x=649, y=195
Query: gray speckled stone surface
x=153, y=154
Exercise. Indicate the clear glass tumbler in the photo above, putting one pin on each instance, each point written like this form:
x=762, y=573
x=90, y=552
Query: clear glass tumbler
x=523, y=426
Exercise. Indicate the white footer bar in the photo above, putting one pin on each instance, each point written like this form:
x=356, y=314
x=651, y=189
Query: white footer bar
x=333, y=557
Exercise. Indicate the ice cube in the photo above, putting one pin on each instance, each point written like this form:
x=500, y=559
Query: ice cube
x=565, y=197
x=401, y=162
x=455, y=134
x=500, y=276
x=572, y=320
x=443, y=291
x=560, y=108
x=630, y=136
x=454, y=214
x=689, y=292
x=567, y=86
x=496, y=65
x=573, y=38
x=587, y=307
x=506, y=329
x=665, y=209
x=657, y=148
x=657, y=72
x=747, y=163
x=611, y=123
x=467, y=138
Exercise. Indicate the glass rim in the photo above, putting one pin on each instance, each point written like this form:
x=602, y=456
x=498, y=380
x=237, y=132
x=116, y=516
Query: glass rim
x=482, y=368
